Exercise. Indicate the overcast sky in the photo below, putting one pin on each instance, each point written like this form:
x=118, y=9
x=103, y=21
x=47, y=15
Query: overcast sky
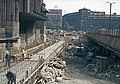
x=69, y=6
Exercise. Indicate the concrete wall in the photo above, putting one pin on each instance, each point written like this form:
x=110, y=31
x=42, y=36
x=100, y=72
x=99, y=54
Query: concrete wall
x=108, y=38
x=35, y=35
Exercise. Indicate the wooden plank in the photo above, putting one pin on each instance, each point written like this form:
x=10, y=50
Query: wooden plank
x=14, y=40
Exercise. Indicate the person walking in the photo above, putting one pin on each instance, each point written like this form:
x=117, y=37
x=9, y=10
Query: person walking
x=11, y=77
x=23, y=54
x=7, y=58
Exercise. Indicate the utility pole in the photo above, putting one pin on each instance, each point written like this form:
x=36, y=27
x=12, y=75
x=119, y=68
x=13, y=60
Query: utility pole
x=110, y=13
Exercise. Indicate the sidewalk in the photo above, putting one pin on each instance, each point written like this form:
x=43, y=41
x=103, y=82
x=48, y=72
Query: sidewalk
x=28, y=65
x=3, y=67
x=2, y=64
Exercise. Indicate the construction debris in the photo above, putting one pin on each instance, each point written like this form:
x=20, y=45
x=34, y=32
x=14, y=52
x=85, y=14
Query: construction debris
x=113, y=71
x=53, y=70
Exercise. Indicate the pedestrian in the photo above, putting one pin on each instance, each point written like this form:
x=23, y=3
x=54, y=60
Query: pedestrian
x=7, y=58
x=11, y=77
x=23, y=54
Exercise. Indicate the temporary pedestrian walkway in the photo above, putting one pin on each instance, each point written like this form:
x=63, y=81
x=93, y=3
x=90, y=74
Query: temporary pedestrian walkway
x=29, y=65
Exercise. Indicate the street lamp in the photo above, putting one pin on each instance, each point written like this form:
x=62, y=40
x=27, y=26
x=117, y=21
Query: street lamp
x=91, y=27
x=110, y=12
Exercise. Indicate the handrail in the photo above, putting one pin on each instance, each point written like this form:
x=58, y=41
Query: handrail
x=33, y=73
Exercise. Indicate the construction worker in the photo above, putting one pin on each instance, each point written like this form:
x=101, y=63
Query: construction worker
x=11, y=77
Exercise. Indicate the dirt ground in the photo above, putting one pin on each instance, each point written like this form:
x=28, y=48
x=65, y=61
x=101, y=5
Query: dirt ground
x=75, y=72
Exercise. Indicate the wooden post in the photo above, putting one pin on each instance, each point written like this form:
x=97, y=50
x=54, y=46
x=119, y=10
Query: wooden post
x=26, y=74
x=31, y=69
x=101, y=63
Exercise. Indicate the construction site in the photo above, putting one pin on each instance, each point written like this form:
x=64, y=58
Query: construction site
x=32, y=54
x=67, y=59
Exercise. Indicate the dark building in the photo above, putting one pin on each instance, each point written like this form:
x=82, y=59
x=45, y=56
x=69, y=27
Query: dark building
x=54, y=18
x=18, y=17
x=87, y=20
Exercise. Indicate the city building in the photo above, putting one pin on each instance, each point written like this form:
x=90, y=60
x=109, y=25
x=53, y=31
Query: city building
x=88, y=20
x=54, y=19
x=22, y=19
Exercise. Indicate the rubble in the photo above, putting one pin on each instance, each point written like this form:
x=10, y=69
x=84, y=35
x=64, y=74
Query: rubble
x=114, y=71
x=53, y=70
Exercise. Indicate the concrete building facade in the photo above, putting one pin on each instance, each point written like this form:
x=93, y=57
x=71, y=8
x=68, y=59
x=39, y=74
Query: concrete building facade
x=25, y=19
x=88, y=20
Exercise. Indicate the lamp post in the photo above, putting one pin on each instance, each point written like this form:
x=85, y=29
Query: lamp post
x=91, y=27
x=110, y=12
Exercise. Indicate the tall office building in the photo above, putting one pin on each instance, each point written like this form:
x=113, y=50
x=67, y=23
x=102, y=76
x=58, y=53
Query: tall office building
x=88, y=20
x=54, y=18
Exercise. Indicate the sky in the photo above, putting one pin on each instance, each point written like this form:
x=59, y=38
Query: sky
x=69, y=6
